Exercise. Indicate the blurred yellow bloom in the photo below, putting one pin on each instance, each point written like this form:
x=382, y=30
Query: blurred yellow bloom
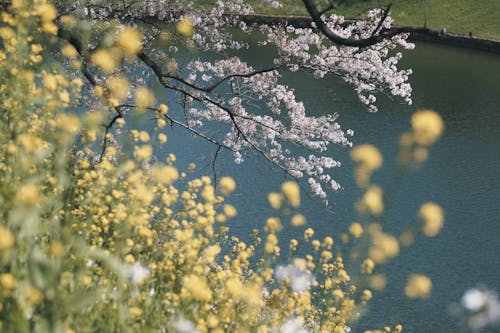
x=8, y=281
x=69, y=123
x=196, y=286
x=371, y=201
x=144, y=152
x=366, y=295
x=185, y=27
x=7, y=239
x=28, y=194
x=273, y=225
x=144, y=98
x=378, y=282
x=144, y=136
x=130, y=40
x=275, y=200
x=291, y=191
x=427, y=126
x=57, y=249
x=119, y=87
x=105, y=59
x=384, y=246
x=49, y=81
x=230, y=211
x=69, y=51
x=298, y=220
x=432, y=216
x=418, y=286
x=368, y=156
x=165, y=174
x=34, y=296
x=135, y=311
x=367, y=266
x=162, y=138
x=356, y=229
x=46, y=11
x=227, y=185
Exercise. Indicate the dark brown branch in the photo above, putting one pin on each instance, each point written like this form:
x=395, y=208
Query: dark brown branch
x=331, y=35
x=106, y=131
x=213, y=166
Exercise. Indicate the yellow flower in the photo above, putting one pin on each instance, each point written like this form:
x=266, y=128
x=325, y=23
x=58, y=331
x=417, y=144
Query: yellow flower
x=144, y=152
x=135, y=311
x=105, y=59
x=28, y=194
x=418, y=286
x=371, y=201
x=130, y=40
x=227, y=185
x=7, y=239
x=273, y=225
x=57, y=249
x=69, y=123
x=366, y=295
x=383, y=247
x=275, y=200
x=368, y=156
x=378, y=282
x=49, y=82
x=356, y=229
x=8, y=281
x=86, y=280
x=271, y=242
x=298, y=220
x=185, y=27
x=119, y=87
x=165, y=174
x=367, y=266
x=291, y=191
x=47, y=12
x=162, y=138
x=427, y=126
x=34, y=296
x=163, y=109
x=144, y=136
x=144, y=98
x=432, y=216
x=230, y=211
x=69, y=51
x=196, y=287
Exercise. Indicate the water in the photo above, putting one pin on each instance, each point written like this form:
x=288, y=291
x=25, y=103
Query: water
x=461, y=175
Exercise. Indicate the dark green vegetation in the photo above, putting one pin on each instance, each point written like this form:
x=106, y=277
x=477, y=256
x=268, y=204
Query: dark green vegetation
x=457, y=16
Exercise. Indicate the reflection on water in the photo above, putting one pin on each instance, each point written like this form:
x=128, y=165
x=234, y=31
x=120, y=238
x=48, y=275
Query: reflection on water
x=461, y=175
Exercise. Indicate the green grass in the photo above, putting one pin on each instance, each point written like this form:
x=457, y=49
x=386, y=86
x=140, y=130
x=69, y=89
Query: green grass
x=481, y=17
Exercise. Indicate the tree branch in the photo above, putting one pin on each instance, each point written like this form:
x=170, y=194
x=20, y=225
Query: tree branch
x=331, y=35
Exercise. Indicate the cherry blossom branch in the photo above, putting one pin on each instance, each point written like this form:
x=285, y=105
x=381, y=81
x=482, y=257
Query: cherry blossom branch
x=316, y=15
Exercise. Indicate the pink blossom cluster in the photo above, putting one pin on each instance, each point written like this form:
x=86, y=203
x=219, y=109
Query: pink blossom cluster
x=262, y=114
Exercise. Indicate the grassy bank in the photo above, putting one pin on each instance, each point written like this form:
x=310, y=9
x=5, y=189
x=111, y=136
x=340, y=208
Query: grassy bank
x=457, y=16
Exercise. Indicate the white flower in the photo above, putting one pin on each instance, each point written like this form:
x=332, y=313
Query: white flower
x=293, y=325
x=485, y=306
x=297, y=274
x=182, y=325
x=137, y=273
x=474, y=299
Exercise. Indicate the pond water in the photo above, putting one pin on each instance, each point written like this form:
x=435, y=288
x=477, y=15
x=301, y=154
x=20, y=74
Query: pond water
x=461, y=175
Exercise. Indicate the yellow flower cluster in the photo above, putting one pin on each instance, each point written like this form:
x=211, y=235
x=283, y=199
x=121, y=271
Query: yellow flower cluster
x=432, y=216
x=427, y=128
x=418, y=286
x=368, y=159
